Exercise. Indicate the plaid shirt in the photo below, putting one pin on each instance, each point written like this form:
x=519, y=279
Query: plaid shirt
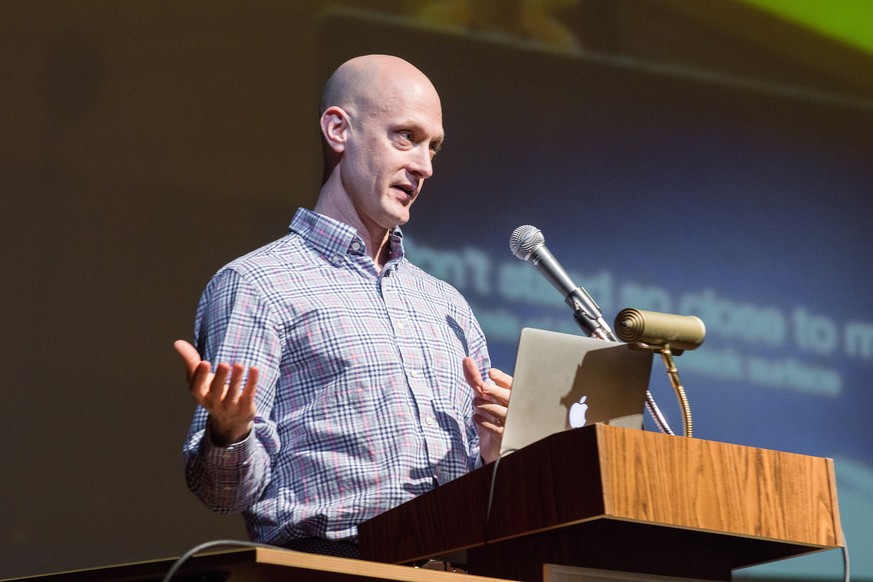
x=361, y=400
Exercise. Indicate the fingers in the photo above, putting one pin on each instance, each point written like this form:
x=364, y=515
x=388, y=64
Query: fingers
x=206, y=387
x=500, y=378
x=230, y=404
x=495, y=393
x=223, y=389
x=233, y=395
x=471, y=374
x=212, y=388
x=490, y=414
x=189, y=355
x=493, y=409
x=247, y=396
x=493, y=426
x=199, y=381
x=490, y=403
x=498, y=390
x=493, y=396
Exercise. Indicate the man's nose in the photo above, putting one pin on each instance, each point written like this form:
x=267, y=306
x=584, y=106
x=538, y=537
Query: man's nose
x=422, y=162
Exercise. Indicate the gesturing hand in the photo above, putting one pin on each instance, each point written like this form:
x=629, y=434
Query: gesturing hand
x=231, y=409
x=490, y=403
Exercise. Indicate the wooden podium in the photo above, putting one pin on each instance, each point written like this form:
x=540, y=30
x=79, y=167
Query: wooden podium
x=619, y=499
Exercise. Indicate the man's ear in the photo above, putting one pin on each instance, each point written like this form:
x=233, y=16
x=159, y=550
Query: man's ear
x=335, y=127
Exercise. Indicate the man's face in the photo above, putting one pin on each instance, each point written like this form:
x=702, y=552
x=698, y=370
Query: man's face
x=390, y=152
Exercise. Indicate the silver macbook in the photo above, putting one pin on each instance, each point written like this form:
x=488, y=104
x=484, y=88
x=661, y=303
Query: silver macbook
x=564, y=381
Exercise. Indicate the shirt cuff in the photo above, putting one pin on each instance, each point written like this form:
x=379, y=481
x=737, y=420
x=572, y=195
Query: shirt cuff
x=227, y=456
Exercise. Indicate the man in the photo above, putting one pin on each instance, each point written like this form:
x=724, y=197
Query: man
x=364, y=383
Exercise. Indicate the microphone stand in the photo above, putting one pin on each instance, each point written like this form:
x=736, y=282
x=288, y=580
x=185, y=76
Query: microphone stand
x=673, y=374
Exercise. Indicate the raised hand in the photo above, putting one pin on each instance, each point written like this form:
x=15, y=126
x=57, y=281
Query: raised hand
x=231, y=406
x=490, y=404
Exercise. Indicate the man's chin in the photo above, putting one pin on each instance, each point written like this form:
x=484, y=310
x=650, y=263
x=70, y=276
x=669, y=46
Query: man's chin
x=400, y=216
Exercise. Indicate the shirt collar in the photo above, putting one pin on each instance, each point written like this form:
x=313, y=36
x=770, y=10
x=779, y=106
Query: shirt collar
x=333, y=238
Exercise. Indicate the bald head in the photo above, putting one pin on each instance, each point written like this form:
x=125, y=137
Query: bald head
x=363, y=84
x=381, y=126
x=374, y=87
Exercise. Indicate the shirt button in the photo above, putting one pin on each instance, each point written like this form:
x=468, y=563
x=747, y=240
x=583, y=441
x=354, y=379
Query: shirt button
x=429, y=421
x=401, y=325
x=337, y=259
x=415, y=373
x=356, y=246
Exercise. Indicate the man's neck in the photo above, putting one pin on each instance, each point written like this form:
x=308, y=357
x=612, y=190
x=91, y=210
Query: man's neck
x=376, y=239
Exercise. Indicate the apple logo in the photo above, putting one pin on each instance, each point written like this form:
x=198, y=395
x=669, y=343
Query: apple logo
x=578, y=412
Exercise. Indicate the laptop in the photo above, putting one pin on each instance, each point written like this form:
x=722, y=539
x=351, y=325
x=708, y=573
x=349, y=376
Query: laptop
x=563, y=381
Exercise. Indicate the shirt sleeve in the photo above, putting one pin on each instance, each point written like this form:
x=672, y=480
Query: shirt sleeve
x=235, y=324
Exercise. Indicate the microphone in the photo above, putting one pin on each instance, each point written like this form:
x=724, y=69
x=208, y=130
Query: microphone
x=681, y=332
x=528, y=244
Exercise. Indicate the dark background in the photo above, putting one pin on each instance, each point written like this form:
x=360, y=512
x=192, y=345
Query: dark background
x=676, y=146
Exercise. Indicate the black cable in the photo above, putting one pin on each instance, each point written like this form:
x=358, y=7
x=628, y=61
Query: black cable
x=213, y=544
x=485, y=533
x=846, y=570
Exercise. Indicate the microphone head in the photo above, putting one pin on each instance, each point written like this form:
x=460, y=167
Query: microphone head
x=525, y=240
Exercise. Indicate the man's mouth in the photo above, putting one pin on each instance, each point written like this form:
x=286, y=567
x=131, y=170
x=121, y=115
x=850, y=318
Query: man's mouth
x=408, y=189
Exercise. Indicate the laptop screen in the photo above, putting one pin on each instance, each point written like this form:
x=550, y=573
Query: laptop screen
x=565, y=381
